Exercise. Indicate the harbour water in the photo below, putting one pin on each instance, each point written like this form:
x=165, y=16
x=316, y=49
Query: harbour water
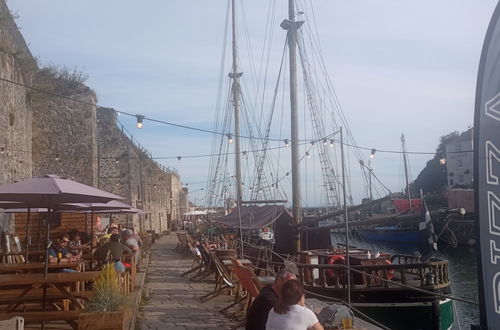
x=463, y=274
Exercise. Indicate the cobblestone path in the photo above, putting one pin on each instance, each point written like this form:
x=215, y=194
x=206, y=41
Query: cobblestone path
x=173, y=300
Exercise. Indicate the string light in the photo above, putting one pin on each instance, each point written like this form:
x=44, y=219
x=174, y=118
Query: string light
x=229, y=138
x=287, y=144
x=179, y=158
x=308, y=155
x=372, y=153
x=325, y=142
x=331, y=143
x=140, y=119
x=442, y=161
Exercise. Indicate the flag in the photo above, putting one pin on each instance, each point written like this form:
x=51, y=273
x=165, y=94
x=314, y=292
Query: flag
x=428, y=238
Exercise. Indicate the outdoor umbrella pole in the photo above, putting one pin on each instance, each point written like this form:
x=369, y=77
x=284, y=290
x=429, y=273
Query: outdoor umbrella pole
x=91, y=240
x=27, y=235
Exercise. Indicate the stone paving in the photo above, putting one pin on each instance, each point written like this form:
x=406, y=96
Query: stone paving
x=174, y=300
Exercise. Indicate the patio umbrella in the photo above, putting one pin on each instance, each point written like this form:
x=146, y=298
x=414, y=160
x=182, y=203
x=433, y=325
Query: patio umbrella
x=50, y=191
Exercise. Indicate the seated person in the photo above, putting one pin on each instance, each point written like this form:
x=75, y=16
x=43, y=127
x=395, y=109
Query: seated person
x=132, y=243
x=113, y=251
x=290, y=312
x=267, y=298
x=60, y=246
x=109, y=232
x=75, y=243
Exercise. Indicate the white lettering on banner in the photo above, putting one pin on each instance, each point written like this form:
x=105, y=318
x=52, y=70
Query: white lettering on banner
x=492, y=152
x=494, y=251
x=492, y=107
x=496, y=292
x=493, y=208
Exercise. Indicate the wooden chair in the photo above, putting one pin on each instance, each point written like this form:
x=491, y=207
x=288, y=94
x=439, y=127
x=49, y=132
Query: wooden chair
x=182, y=241
x=207, y=264
x=246, y=278
x=223, y=280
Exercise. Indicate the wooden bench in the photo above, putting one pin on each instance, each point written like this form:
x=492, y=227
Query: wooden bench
x=7, y=296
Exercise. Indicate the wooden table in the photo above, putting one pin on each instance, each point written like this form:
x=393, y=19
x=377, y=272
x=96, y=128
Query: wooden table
x=57, y=280
x=34, y=267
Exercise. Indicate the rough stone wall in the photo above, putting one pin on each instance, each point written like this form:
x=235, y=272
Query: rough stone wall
x=128, y=171
x=17, y=65
x=42, y=134
x=64, y=134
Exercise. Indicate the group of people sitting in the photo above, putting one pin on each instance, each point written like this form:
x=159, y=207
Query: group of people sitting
x=69, y=246
x=281, y=306
x=110, y=248
x=118, y=241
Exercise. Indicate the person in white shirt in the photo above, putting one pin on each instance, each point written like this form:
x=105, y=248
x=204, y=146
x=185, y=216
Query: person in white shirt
x=290, y=312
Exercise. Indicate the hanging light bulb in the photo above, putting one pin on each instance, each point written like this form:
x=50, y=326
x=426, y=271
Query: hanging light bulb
x=372, y=153
x=229, y=138
x=140, y=119
x=287, y=144
x=325, y=142
x=312, y=143
x=331, y=143
x=287, y=174
x=308, y=155
x=2, y=150
x=179, y=159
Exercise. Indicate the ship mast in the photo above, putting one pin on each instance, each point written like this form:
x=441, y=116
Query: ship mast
x=291, y=25
x=405, y=160
x=235, y=76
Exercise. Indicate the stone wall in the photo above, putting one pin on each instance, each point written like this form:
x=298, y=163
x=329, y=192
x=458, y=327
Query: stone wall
x=64, y=132
x=16, y=65
x=41, y=133
x=127, y=170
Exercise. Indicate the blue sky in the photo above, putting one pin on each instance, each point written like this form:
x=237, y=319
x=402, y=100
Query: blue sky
x=397, y=66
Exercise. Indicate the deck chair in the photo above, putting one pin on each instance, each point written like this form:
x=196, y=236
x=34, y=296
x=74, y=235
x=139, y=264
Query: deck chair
x=197, y=258
x=222, y=280
x=182, y=242
x=207, y=264
x=246, y=278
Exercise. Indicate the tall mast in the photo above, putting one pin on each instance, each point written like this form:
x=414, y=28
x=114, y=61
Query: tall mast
x=291, y=25
x=403, y=143
x=235, y=75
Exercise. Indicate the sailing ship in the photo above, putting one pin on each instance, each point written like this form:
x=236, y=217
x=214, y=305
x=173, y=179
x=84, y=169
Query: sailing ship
x=399, y=291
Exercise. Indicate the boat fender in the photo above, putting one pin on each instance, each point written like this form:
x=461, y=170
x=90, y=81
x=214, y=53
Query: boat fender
x=334, y=259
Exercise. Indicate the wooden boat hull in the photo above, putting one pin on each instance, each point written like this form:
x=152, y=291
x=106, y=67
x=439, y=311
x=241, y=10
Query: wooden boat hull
x=397, y=309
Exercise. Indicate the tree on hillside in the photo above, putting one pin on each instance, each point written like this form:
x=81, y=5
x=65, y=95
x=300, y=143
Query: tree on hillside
x=432, y=179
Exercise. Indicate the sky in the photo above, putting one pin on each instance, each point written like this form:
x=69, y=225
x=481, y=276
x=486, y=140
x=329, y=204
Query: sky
x=397, y=67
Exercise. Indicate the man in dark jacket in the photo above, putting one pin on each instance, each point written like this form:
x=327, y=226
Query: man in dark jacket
x=267, y=298
x=113, y=251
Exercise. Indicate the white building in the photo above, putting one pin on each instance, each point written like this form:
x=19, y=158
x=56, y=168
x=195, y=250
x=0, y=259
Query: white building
x=459, y=160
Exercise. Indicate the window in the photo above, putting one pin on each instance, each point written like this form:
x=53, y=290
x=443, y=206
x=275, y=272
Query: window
x=452, y=182
x=460, y=162
x=458, y=147
x=461, y=178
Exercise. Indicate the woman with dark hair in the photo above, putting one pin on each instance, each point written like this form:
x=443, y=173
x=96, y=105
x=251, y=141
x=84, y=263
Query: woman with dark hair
x=290, y=313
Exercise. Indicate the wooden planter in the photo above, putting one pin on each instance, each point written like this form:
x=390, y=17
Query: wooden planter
x=103, y=320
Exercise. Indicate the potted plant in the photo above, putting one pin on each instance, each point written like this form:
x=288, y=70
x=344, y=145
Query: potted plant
x=107, y=307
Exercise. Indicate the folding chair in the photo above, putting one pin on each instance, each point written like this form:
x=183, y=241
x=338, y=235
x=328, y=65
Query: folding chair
x=206, y=263
x=222, y=280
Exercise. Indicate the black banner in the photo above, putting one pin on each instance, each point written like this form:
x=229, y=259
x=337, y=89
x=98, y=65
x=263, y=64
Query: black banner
x=487, y=175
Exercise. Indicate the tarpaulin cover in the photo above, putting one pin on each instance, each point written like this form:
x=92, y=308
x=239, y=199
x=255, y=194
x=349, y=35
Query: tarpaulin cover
x=254, y=217
x=402, y=205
